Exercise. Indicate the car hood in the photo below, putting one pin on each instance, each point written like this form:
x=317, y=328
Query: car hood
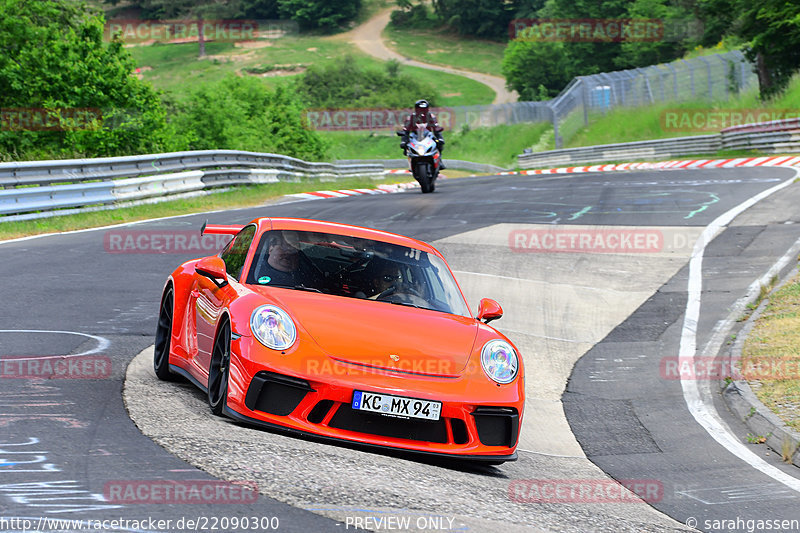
x=380, y=334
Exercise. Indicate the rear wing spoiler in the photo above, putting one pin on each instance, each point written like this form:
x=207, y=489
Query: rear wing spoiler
x=219, y=229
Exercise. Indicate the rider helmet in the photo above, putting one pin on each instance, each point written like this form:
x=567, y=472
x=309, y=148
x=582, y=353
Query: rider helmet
x=421, y=109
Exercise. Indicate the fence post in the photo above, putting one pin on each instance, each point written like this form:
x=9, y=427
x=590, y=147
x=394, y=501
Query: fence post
x=691, y=75
x=585, y=97
x=674, y=80
x=708, y=74
x=556, y=136
x=725, y=72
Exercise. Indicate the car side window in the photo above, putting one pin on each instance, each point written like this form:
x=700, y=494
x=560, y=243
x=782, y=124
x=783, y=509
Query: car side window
x=235, y=253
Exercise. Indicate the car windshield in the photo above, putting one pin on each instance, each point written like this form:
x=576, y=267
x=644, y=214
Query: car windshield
x=355, y=268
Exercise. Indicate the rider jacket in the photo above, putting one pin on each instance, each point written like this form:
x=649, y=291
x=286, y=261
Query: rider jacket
x=413, y=119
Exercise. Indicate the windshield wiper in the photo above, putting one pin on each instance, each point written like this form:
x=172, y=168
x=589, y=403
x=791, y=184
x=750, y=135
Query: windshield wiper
x=297, y=287
x=407, y=304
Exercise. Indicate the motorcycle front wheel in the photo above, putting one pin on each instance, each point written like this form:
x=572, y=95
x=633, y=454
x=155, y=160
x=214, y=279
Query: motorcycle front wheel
x=423, y=175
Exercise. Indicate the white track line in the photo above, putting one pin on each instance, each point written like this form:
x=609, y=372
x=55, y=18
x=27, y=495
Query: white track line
x=102, y=342
x=702, y=410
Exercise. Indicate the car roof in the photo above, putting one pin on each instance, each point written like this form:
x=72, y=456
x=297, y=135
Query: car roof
x=302, y=224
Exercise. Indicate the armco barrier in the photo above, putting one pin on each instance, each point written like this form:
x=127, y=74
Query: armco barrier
x=779, y=136
x=28, y=199
x=453, y=164
x=46, y=186
x=656, y=149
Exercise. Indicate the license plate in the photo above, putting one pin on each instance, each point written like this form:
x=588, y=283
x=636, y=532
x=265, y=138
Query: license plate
x=400, y=406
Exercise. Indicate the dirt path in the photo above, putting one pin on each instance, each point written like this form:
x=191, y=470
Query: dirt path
x=368, y=38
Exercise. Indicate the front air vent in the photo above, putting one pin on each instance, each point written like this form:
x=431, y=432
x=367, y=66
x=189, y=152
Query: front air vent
x=276, y=394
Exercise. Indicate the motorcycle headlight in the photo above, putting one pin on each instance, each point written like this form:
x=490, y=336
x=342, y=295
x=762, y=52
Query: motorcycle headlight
x=272, y=327
x=499, y=360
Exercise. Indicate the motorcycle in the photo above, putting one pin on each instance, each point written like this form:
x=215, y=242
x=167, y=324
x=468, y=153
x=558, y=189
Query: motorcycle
x=423, y=157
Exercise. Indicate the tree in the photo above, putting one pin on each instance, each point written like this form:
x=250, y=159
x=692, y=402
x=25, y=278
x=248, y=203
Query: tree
x=677, y=24
x=241, y=114
x=54, y=60
x=772, y=31
x=327, y=15
x=531, y=66
x=479, y=18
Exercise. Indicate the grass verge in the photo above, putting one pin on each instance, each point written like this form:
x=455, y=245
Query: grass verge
x=498, y=145
x=246, y=196
x=440, y=47
x=771, y=354
x=175, y=68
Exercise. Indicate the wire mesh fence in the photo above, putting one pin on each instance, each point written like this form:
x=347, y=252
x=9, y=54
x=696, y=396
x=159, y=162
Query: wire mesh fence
x=714, y=77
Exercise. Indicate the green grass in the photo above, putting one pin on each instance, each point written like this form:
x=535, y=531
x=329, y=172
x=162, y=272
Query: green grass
x=237, y=197
x=771, y=354
x=499, y=145
x=454, y=90
x=445, y=48
x=175, y=68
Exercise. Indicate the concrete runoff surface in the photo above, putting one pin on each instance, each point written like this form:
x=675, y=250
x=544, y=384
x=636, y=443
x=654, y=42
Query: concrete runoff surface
x=67, y=282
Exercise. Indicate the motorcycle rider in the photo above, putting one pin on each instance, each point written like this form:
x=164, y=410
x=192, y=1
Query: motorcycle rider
x=423, y=115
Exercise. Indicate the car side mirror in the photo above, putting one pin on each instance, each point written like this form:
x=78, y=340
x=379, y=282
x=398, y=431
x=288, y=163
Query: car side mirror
x=489, y=310
x=213, y=268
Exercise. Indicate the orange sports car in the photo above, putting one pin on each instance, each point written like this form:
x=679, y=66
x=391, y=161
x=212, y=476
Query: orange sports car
x=346, y=333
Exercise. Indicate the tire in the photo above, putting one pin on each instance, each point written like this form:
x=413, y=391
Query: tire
x=164, y=336
x=219, y=370
x=424, y=178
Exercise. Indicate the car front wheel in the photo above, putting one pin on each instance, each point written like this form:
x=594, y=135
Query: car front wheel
x=219, y=370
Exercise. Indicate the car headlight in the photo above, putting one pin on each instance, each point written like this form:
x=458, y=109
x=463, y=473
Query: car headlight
x=272, y=327
x=499, y=361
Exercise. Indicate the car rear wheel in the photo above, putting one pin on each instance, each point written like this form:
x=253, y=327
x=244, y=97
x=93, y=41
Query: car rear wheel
x=219, y=370
x=164, y=337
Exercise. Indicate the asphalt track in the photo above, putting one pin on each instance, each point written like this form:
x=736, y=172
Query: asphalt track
x=63, y=440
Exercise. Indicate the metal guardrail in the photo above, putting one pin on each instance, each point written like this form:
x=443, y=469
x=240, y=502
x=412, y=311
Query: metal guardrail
x=39, y=188
x=771, y=137
x=454, y=164
x=781, y=136
x=656, y=149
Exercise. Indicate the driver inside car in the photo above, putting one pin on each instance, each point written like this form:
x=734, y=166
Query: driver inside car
x=388, y=277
